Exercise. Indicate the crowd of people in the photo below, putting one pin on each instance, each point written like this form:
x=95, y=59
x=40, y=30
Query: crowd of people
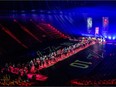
x=7, y=80
x=44, y=61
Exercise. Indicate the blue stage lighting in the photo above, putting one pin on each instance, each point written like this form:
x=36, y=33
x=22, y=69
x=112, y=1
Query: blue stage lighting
x=105, y=36
x=114, y=37
x=109, y=37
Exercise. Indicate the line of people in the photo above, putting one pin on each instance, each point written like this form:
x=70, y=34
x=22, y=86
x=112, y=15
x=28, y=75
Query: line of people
x=44, y=61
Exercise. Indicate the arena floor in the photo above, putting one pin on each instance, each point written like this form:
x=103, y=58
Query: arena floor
x=96, y=62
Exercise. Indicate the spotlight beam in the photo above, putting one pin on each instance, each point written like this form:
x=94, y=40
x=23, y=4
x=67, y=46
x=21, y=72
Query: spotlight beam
x=13, y=36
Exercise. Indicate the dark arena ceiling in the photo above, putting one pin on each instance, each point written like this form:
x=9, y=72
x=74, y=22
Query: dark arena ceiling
x=8, y=6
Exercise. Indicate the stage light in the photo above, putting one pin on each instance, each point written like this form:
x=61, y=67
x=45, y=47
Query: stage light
x=109, y=37
x=105, y=36
x=114, y=38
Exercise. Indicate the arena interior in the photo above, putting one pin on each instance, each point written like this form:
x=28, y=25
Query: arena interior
x=57, y=43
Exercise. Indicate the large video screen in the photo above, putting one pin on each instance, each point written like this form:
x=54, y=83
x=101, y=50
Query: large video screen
x=89, y=24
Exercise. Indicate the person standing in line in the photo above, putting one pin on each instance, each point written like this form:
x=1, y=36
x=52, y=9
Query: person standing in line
x=51, y=58
x=41, y=61
x=68, y=51
x=31, y=62
x=54, y=54
x=32, y=69
x=60, y=53
x=38, y=61
x=44, y=59
x=65, y=51
x=47, y=60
